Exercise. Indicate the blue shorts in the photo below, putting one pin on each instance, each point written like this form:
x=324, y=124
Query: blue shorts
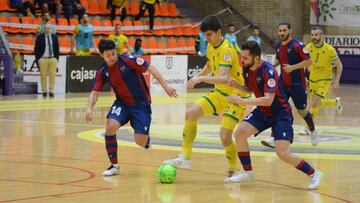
x=139, y=116
x=298, y=95
x=281, y=124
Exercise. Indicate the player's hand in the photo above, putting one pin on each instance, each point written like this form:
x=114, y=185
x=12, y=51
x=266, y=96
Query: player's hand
x=235, y=99
x=171, y=92
x=193, y=81
x=288, y=68
x=89, y=115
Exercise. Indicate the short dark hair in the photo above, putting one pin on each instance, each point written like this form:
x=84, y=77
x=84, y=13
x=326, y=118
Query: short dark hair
x=317, y=28
x=285, y=23
x=231, y=25
x=252, y=47
x=211, y=23
x=254, y=27
x=106, y=44
x=118, y=25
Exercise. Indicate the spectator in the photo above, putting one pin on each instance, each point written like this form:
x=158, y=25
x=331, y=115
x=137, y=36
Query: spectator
x=201, y=44
x=150, y=5
x=25, y=8
x=232, y=37
x=121, y=4
x=42, y=5
x=74, y=7
x=46, y=20
x=84, y=33
x=138, y=50
x=47, y=55
x=255, y=35
x=120, y=40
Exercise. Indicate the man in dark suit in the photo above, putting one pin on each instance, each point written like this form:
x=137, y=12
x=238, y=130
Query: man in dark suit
x=47, y=55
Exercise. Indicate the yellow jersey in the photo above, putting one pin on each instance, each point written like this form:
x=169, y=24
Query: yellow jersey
x=322, y=59
x=119, y=3
x=225, y=55
x=151, y=1
x=120, y=41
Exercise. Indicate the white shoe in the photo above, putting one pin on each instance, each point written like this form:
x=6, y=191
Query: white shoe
x=246, y=176
x=304, y=131
x=315, y=180
x=314, y=137
x=230, y=173
x=268, y=142
x=179, y=162
x=111, y=171
x=339, y=106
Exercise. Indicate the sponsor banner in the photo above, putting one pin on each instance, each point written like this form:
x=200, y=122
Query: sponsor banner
x=195, y=65
x=345, y=44
x=32, y=73
x=335, y=12
x=173, y=68
x=81, y=72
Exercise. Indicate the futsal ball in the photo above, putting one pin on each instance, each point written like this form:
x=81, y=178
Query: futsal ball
x=166, y=173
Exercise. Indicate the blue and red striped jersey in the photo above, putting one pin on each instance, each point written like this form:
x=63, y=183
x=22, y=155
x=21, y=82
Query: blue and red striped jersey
x=127, y=80
x=266, y=79
x=292, y=53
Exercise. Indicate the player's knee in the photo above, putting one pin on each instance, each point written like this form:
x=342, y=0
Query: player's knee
x=141, y=140
x=226, y=137
x=110, y=129
x=302, y=112
x=240, y=133
x=283, y=155
x=193, y=113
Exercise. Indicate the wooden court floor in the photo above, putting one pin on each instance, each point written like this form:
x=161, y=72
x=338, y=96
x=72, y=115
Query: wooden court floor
x=48, y=153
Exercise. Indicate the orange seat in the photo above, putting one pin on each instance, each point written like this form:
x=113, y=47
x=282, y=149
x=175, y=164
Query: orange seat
x=161, y=46
x=138, y=32
x=29, y=42
x=152, y=46
x=74, y=22
x=172, y=10
x=102, y=8
x=65, y=45
x=63, y=22
x=195, y=29
x=172, y=45
x=127, y=24
x=158, y=31
x=164, y=10
x=37, y=21
x=181, y=44
x=168, y=31
x=191, y=45
x=15, y=43
x=15, y=20
x=94, y=7
x=187, y=29
x=131, y=42
x=106, y=23
x=96, y=41
x=27, y=21
x=134, y=8
x=97, y=26
x=117, y=22
x=157, y=10
x=5, y=6
x=4, y=26
x=85, y=4
x=52, y=21
x=178, y=30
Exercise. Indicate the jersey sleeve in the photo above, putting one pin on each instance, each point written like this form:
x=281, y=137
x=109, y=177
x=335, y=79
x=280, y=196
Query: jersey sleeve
x=77, y=30
x=99, y=80
x=226, y=58
x=302, y=51
x=333, y=55
x=270, y=80
x=137, y=63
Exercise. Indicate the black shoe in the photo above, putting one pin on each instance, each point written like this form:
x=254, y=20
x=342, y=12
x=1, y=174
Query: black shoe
x=51, y=94
x=44, y=94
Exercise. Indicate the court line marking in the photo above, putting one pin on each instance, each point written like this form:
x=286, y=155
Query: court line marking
x=198, y=171
x=91, y=175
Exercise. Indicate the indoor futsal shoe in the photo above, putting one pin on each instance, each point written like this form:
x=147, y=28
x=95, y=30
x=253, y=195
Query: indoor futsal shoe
x=112, y=170
x=245, y=176
x=268, y=142
x=315, y=180
x=179, y=162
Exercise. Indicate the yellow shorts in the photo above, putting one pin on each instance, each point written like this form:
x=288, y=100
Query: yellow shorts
x=215, y=103
x=82, y=52
x=320, y=88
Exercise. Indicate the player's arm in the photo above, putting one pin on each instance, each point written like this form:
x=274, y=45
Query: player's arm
x=266, y=100
x=205, y=71
x=303, y=64
x=221, y=78
x=156, y=74
x=339, y=68
x=73, y=39
x=235, y=84
x=94, y=95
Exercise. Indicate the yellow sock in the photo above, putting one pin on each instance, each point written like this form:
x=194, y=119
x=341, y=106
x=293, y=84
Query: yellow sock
x=189, y=134
x=314, y=112
x=328, y=102
x=231, y=155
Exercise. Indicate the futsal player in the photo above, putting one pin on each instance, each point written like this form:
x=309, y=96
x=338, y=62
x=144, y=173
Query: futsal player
x=273, y=111
x=323, y=56
x=223, y=63
x=293, y=57
x=132, y=104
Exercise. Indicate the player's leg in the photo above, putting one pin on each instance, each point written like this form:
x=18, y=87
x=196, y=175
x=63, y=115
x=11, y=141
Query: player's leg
x=232, y=114
x=325, y=101
x=315, y=99
x=251, y=125
x=140, y=120
x=116, y=118
x=113, y=13
x=142, y=9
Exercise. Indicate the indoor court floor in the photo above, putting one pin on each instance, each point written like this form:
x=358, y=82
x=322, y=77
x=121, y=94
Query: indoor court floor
x=49, y=153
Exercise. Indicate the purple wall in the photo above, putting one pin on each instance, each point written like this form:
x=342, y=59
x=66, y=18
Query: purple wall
x=351, y=71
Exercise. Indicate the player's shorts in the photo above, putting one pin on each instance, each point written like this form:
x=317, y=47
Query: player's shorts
x=139, y=116
x=281, y=124
x=298, y=95
x=215, y=103
x=320, y=88
x=82, y=52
